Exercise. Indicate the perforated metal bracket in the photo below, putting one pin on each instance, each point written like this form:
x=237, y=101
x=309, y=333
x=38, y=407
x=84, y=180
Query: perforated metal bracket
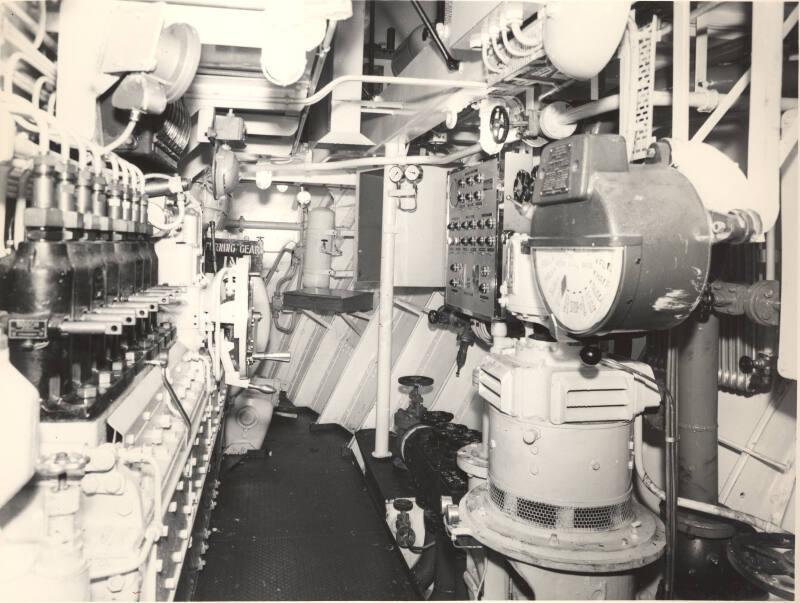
x=638, y=69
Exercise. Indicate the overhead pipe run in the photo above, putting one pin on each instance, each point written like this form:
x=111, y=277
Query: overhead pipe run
x=559, y=114
x=242, y=224
x=384, y=79
x=368, y=162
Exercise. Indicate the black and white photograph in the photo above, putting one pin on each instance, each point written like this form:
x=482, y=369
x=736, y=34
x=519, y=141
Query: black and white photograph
x=398, y=300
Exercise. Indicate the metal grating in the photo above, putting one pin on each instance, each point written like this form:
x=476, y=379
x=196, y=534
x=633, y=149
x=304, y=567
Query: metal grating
x=544, y=515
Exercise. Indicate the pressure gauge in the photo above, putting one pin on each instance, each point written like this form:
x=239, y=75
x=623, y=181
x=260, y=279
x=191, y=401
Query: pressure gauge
x=413, y=173
x=579, y=285
x=395, y=174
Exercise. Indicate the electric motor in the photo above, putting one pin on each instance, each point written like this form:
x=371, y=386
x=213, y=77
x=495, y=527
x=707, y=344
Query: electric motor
x=559, y=493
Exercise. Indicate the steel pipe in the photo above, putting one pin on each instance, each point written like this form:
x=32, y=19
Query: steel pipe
x=385, y=323
x=90, y=327
x=242, y=224
x=697, y=398
x=680, y=70
x=365, y=162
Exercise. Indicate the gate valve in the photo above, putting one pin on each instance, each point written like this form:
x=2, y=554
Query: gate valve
x=415, y=382
x=405, y=533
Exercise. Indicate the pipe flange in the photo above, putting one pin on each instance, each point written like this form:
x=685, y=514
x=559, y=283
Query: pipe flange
x=697, y=525
x=471, y=461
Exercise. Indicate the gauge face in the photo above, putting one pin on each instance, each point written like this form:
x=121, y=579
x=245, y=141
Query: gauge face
x=395, y=173
x=413, y=173
x=579, y=284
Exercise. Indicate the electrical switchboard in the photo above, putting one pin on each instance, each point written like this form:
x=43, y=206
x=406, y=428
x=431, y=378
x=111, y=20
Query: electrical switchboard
x=481, y=207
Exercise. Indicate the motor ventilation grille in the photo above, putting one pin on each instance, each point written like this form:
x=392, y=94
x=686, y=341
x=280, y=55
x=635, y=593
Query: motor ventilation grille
x=544, y=515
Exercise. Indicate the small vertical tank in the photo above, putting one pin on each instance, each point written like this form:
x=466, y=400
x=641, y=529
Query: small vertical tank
x=319, y=244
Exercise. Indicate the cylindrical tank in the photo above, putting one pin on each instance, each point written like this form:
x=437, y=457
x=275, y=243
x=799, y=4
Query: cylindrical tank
x=319, y=244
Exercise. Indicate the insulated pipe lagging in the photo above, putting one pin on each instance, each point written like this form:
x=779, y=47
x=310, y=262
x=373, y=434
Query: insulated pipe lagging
x=580, y=38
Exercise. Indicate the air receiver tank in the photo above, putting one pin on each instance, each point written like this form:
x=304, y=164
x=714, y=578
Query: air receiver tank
x=319, y=244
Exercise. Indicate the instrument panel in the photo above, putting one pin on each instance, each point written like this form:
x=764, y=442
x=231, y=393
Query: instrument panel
x=481, y=208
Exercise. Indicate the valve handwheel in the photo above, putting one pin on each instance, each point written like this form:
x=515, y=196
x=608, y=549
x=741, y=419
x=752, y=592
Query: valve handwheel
x=403, y=505
x=499, y=124
x=766, y=560
x=415, y=381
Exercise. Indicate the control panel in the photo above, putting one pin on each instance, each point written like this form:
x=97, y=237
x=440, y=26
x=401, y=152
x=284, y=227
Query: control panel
x=474, y=228
x=478, y=215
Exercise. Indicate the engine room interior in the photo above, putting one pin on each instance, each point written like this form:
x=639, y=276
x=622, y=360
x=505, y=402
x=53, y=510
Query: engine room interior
x=398, y=300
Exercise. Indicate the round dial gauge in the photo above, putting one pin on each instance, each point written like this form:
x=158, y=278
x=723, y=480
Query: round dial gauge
x=413, y=173
x=579, y=285
x=395, y=174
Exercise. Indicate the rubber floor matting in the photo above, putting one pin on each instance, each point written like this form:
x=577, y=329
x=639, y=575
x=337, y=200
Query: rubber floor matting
x=299, y=525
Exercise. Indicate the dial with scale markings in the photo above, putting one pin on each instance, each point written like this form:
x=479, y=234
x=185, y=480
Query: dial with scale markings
x=579, y=285
x=395, y=174
x=413, y=173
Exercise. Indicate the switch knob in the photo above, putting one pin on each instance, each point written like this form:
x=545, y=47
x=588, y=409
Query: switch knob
x=483, y=287
x=484, y=270
x=453, y=282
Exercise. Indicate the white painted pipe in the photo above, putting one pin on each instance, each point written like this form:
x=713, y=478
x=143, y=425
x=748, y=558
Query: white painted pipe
x=680, y=69
x=764, y=131
x=384, y=79
x=385, y=314
x=365, y=162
